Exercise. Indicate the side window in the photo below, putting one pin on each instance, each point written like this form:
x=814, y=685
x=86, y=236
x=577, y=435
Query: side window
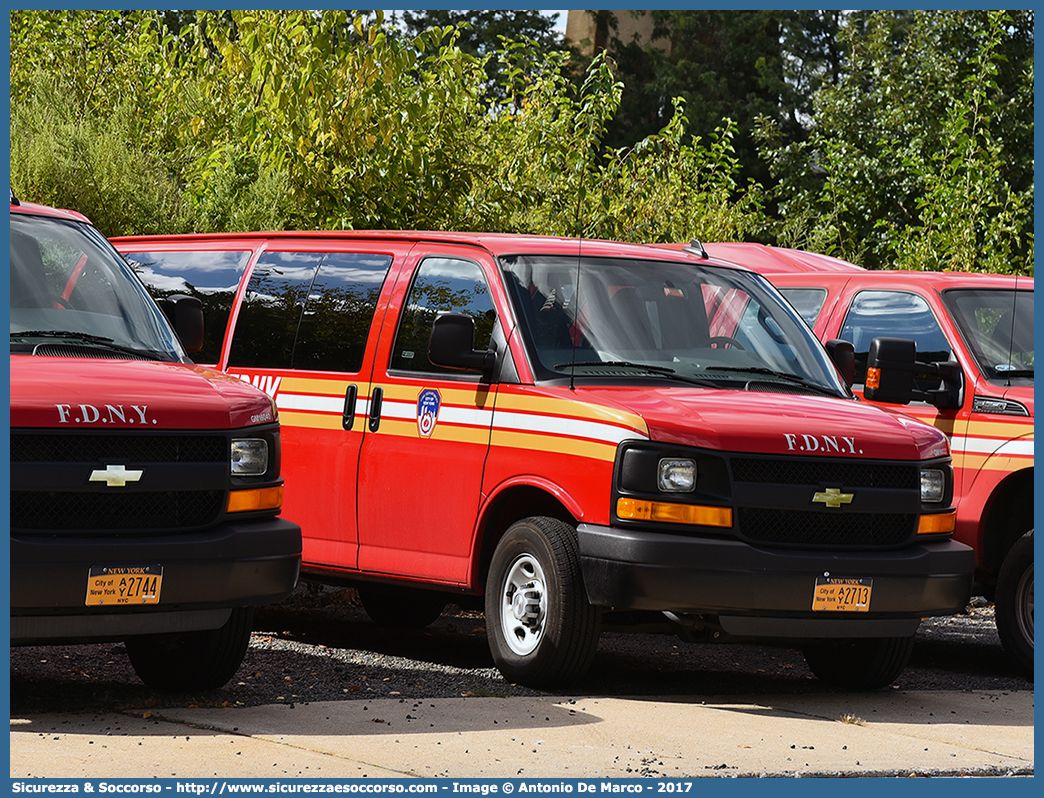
x=339, y=312
x=806, y=301
x=271, y=311
x=211, y=277
x=895, y=314
x=309, y=310
x=441, y=285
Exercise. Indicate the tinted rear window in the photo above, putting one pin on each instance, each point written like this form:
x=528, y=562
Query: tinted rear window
x=212, y=277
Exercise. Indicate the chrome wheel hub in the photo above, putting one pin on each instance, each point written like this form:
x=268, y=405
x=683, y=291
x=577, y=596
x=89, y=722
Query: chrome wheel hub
x=524, y=606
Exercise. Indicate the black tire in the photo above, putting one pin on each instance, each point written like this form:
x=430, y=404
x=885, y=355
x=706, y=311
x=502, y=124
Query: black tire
x=859, y=664
x=401, y=608
x=542, y=631
x=192, y=661
x=1013, y=602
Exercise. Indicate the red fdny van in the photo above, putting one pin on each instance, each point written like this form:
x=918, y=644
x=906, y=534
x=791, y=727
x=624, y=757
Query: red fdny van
x=984, y=324
x=144, y=490
x=551, y=425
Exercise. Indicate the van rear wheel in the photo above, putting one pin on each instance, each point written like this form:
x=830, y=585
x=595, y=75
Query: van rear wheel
x=1013, y=602
x=191, y=661
x=859, y=664
x=542, y=630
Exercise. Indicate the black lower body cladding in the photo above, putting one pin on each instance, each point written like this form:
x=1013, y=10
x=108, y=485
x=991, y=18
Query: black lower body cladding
x=205, y=575
x=768, y=593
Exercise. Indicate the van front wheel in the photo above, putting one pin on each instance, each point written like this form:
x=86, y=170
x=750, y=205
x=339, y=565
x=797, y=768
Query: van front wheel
x=542, y=630
x=1013, y=602
x=191, y=661
x=861, y=664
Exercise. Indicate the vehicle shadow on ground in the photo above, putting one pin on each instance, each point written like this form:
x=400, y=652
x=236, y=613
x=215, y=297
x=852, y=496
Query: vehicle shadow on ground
x=302, y=655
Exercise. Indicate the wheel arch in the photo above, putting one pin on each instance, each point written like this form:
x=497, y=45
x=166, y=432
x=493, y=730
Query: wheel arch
x=1008, y=515
x=508, y=505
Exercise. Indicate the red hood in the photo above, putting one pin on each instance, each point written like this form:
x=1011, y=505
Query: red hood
x=82, y=393
x=740, y=421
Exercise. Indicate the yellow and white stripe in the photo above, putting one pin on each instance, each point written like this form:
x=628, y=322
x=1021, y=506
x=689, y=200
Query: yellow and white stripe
x=316, y=404
x=563, y=426
x=521, y=420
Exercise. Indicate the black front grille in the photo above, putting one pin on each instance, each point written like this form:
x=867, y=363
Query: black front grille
x=810, y=528
x=51, y=493
x=88, y=448
x=826, y=472
x=51, y=510
x=877, y=526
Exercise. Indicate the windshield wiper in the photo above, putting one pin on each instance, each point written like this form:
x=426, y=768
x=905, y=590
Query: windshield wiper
x=617, y=364
x=783, y=375
x=87, y=338
x=663, y=371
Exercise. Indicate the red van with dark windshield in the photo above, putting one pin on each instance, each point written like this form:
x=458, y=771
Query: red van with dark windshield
x=145, y=490
x=574, y=436
x=980, y=328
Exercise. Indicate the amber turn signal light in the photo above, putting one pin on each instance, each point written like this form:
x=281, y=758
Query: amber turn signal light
x=938, y=523
x=670, y=513
x=242, y=501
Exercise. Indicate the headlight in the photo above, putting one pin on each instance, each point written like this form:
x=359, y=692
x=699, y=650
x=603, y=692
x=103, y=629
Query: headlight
x=249, y=457
x=676, y=476
x=933, y=485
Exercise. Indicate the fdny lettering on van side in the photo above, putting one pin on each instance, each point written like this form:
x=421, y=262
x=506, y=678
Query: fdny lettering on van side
x=263, y=382
x=107, y=414
x=824, y=444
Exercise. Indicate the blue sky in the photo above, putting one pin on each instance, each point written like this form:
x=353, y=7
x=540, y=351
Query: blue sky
x=561, y=18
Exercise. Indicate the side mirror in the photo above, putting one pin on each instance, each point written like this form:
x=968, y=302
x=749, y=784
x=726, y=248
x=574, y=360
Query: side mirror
x=452, y=343
x=842, y=353
x=185, y=314
x=891, y=367
x=890, y=370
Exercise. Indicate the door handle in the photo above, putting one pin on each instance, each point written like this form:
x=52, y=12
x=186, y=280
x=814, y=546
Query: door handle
x=348, y=415
x=376, y=398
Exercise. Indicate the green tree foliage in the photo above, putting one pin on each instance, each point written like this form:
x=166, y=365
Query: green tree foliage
x=736, y=65
x=483, y=32
x=921, y=155
x=301, y=119
x=892, y=138
x=76, y=96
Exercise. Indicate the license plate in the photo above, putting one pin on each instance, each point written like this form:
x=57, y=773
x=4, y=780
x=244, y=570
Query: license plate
x=842, y=594
x=131, y=586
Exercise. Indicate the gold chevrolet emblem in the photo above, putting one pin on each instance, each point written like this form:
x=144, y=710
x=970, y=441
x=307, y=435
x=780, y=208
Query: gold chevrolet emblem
x=116, y=476
x=832, y=497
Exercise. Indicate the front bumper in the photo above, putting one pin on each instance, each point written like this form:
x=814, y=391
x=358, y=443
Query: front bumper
x=768, y=593
x=236, y=564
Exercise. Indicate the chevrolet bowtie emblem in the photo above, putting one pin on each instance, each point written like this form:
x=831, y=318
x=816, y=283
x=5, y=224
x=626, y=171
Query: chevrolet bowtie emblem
x=115, y=476
x=832, y=497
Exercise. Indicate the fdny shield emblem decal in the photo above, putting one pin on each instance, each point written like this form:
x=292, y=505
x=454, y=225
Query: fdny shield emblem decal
x=428, y=404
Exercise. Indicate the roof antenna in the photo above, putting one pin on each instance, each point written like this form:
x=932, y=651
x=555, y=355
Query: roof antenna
x=696, y=248
x=1011, y=332
x=574, y=330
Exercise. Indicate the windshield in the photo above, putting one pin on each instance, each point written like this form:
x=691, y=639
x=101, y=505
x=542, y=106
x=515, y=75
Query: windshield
x=615, y=318
x=70, y=287
x=997, y=325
